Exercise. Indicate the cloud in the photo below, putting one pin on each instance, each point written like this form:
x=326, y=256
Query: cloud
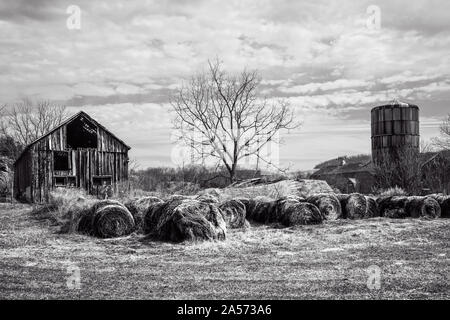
x=129, y=57
x=326, y=86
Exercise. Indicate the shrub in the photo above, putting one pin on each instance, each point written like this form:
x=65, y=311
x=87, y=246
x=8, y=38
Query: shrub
x=395, y=191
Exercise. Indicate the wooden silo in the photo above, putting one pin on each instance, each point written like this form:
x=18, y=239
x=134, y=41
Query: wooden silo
x=79, y=153
x=395, y=127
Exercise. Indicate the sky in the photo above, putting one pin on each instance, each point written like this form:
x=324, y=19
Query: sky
x=332, y=60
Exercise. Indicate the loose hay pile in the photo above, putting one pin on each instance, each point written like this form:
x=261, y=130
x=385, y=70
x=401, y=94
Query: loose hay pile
x=185, y=220
x=328, y=204
x=234, y=214
x=107, y=219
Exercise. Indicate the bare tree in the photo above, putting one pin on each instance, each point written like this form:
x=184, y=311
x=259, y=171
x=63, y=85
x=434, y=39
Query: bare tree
x=401, y=168
x=221, y=116
x=26, y=121
x=413, y=171
x=443, y=142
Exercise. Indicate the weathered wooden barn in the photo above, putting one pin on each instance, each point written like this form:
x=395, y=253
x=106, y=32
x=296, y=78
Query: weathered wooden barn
x=79, y=153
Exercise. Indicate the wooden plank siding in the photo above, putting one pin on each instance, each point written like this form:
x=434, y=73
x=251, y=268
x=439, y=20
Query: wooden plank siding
x=34, y=170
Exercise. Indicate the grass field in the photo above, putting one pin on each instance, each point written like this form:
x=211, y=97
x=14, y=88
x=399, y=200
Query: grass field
x=311, y=262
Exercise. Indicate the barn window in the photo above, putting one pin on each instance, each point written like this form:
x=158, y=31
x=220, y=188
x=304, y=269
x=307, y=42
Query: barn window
x=81, y=133
x=60, y=181
x=71, y=181
x=101, y=180
x=61, y=160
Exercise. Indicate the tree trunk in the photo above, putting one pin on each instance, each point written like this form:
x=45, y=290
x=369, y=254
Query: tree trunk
x=232, y=174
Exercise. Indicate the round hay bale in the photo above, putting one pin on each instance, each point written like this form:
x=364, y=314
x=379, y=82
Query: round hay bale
x=179, y=197
x=249, y=206
x=208, y=198
x=190, y=220
x=234, y=213
x=413, y=206
x=430, y=208
x=146, y=201
x=112, y=221
x=282, y=205
x=102, y=203
x=343, y=197
x=86, y=222
x=216, y=193
x=393, y=207
x=372, y=209
x=300, y=213
x=246, y=202
x=425, y=207
x=156, y=211
x=293, y=198
x=328, y=204
x=356, y=206
x=138, y=207
x=261, y=209
x=445, y=207
x=444, y=202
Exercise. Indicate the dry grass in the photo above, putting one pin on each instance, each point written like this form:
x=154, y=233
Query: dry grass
x=391, y=192
x=66, y=208
x=314, y=262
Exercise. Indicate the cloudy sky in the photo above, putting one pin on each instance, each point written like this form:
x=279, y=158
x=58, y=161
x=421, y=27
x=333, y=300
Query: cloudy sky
x=328, y=58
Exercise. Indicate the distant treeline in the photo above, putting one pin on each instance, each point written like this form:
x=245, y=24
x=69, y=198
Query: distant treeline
x=187, y=178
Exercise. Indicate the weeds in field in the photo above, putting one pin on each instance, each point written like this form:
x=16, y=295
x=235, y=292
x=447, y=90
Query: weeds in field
x=390, y=192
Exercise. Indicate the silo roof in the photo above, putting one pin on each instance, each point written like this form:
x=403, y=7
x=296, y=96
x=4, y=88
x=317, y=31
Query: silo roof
x=396, y=103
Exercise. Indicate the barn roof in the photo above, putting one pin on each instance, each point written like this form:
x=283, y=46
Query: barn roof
x=334, y=167
x=67, y=121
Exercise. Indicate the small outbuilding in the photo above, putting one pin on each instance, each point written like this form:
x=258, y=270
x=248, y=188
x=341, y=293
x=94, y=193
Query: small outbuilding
x=79, y=153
